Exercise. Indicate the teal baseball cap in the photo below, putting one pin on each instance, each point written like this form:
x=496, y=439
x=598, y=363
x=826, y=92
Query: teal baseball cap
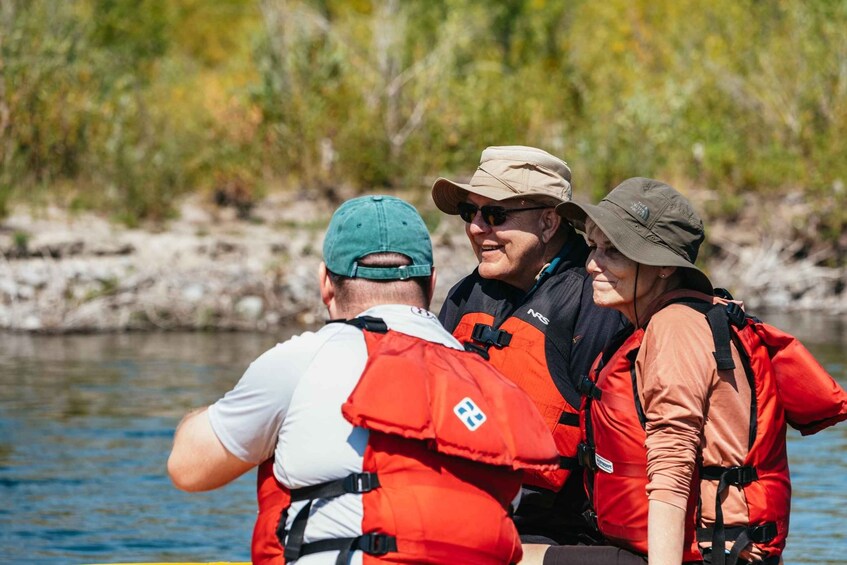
x=377, y=224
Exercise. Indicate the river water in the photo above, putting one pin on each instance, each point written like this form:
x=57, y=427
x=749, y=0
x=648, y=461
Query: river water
x=86, y=424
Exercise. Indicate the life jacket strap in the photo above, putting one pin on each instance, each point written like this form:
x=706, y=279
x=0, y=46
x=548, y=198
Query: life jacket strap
x=478, y=349
x=761, y=533
x=740, y=475
x=569, y=419
x=586, y=387
x=718, y=319
x=355, y=483
x=569, y=463
x=372, y=544
x=369, y=323
x=742, y=535
x=585, y=456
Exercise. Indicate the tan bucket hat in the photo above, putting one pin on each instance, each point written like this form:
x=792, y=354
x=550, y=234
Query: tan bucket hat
x=650, y=223
x=513, y=171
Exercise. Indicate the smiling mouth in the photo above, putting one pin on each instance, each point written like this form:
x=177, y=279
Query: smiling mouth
x=488, y=248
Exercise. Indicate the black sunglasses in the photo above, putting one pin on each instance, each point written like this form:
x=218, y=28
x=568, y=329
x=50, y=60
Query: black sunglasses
x=491, y=215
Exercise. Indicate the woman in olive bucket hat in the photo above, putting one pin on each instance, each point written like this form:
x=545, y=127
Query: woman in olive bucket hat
x=679, y=413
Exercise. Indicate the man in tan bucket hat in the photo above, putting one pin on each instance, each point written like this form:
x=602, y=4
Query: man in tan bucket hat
x=527, y=307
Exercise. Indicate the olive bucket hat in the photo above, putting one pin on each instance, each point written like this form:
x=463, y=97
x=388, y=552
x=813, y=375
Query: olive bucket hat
x=513, y=171
x=650, y=223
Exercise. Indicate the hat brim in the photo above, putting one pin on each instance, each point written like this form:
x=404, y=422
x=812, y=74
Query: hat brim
x=447, y=195
x=635, y=241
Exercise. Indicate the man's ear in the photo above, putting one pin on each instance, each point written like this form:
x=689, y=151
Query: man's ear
x=325, y=284
x=550, y=222
x=431, y=289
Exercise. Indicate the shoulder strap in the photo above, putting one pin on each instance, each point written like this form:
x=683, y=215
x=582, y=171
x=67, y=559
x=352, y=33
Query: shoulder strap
x=719, y=324
x=720, y=317
x=369, y=323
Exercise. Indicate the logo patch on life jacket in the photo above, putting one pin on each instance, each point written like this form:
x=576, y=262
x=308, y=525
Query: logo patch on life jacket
x=604, y=464
x=422, y=312
x=470, y=414
x=539, y=316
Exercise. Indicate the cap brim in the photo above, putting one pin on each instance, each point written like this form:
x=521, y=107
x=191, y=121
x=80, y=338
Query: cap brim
x=447, y=195
x=628, y=238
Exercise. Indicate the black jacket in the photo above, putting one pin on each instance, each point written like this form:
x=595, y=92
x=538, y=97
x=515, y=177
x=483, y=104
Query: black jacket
x=577, y=329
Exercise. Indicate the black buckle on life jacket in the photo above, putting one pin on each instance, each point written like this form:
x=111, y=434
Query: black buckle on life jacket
x=376, y=544
x=722, y=293
x=762, y=533
x=485, y=334
x=735, y=314
x=585, y=456
x=352, y=483
x=361, y=482
x=740, y=475
x=586, y=387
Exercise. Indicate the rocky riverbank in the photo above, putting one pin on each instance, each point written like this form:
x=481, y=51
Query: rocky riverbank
x=209, y=270
x=63, y=272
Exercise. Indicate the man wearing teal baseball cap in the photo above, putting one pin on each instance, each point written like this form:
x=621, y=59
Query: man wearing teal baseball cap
x=377, y=434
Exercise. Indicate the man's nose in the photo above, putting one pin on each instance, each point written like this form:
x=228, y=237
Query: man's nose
x=477, y=224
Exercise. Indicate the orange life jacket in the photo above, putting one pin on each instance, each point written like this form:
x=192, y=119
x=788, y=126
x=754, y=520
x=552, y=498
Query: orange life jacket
x=449, y=438
x=519, y=353
x=787, y=384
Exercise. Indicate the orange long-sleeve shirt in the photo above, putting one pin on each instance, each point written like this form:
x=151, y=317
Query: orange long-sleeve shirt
x=692, y=410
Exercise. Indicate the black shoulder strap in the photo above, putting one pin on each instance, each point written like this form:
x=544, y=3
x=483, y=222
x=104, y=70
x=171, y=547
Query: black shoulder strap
x=369, y=323
x=719, y=317
x=719, y=324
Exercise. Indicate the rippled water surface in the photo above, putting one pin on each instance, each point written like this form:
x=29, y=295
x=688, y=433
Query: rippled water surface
x=86, y=424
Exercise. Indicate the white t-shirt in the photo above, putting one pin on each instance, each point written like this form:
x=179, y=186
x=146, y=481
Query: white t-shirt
x=288, y=404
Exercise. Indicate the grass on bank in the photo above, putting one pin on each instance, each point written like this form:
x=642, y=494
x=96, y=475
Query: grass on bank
x=123, y=107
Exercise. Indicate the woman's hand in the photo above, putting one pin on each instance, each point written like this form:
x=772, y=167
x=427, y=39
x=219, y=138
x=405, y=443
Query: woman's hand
x=752, y=554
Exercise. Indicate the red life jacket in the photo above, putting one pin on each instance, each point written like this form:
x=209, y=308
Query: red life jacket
x=449, y=438
x=517, y=349
x=787, y=384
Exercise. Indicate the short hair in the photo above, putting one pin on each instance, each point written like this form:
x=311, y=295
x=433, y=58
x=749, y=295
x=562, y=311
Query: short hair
x=356, y=293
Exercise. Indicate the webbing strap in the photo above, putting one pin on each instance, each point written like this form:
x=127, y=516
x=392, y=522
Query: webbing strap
x=586, y=387
x=585, y=456
x=372, y=544
x=370, y=323
x=726, y=476
x=294, y=540
x=761, y=533
x=354, y=483
x=478, y=349
x=742, y=535
x=719, y=324
x=569, y=463
x=569, y=419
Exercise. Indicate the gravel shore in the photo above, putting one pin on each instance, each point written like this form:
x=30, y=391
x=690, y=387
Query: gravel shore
x=209, y=270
